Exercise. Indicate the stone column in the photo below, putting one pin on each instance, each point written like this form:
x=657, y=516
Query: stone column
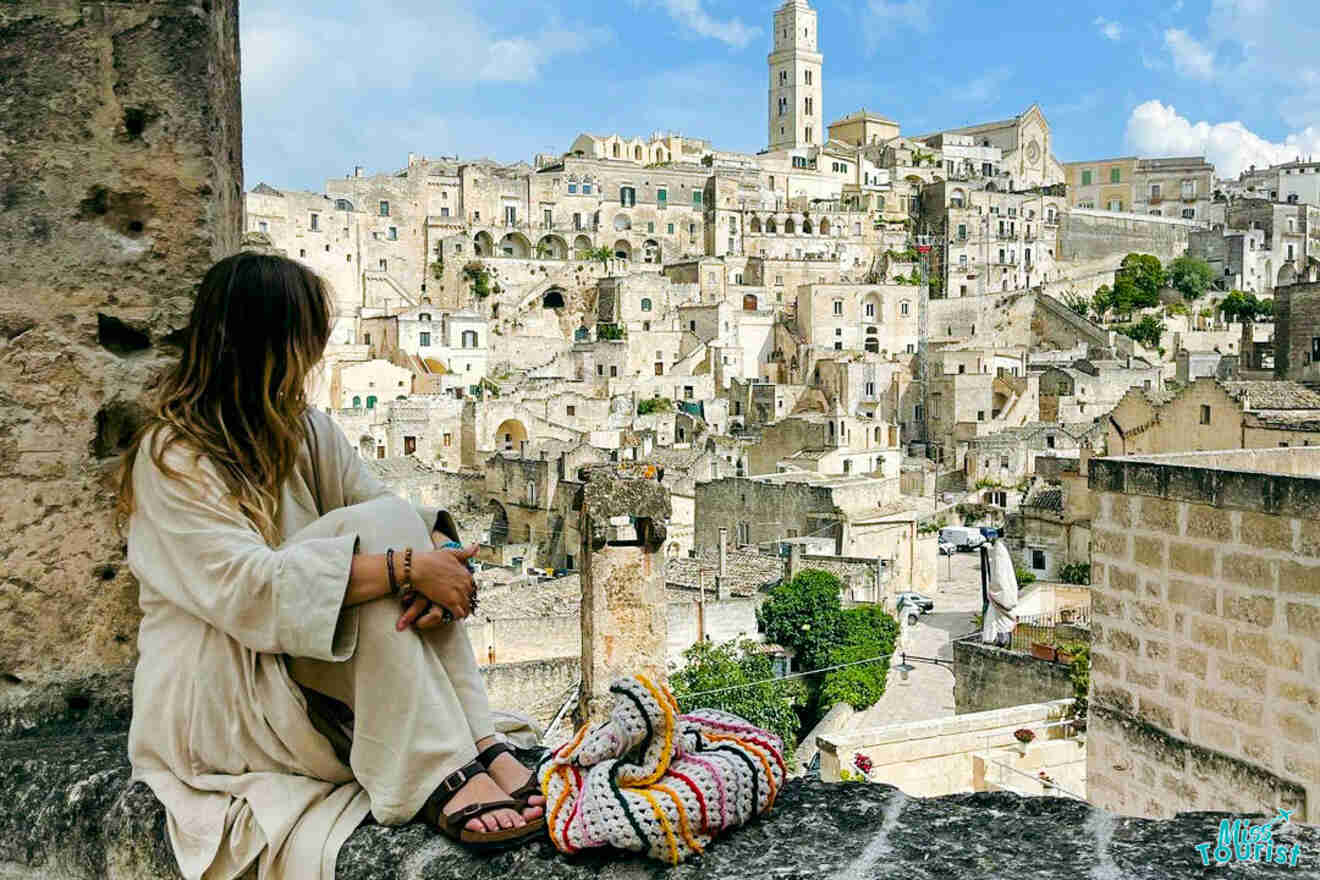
x=625, y=518
x=120, y=184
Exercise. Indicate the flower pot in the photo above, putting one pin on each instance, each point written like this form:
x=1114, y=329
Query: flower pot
x=1042, y=652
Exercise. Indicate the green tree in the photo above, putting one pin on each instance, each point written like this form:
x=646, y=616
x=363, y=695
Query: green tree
x=1239, y=306
x=601, y=255
x=1146, y=274
x=1102, y=301
x=805, y=614
x=771, y=705
x=1077, y=303
x=478, y=276
x=654, y=405
x=1190, y=276
x=868, y=632
x=1148, y=331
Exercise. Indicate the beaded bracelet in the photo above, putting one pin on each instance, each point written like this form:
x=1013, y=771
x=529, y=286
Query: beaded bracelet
x=407, y=568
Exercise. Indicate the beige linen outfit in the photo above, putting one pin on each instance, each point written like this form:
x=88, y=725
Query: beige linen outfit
x=220, y=728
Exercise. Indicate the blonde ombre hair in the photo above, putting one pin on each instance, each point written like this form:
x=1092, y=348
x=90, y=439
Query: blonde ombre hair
x=238, y=397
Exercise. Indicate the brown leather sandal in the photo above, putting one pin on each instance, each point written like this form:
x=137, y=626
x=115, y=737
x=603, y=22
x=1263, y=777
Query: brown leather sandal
x=528, y=790
x=454, y=825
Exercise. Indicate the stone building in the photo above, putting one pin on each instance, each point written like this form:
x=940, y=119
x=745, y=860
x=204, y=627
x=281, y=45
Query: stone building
x=1180, y=187
x=1206, y=624
x=1214, y=414
x=1291, y=236
x=1237, y=257
x=1090, y=387
x=1297, y=331
x=1007, y=457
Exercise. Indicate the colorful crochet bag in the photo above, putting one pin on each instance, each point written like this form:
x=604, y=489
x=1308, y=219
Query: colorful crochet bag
x=651, y=780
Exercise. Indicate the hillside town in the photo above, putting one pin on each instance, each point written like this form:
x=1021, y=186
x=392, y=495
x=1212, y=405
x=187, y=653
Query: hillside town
x=937, y=458
x=839, y=353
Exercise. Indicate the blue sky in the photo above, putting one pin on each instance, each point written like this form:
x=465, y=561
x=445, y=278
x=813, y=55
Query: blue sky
x=328, y=85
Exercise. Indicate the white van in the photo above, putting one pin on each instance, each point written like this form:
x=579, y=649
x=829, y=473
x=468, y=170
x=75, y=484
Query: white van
x=962, y=537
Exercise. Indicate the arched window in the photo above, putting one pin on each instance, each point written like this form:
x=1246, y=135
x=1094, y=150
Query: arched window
x=424, y=316
x=616, y=151
x=637, y=153
x=371, y=401
x=903, y=308
x=789, y=228
x=357, y=402
x=646, y=304
x=755, y=225
x=469, y=338
x=806, y=226
x=531, y=492
x=627, y=196
x=770, y=226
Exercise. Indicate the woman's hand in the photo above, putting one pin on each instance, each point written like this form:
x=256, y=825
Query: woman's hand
x=440, y=578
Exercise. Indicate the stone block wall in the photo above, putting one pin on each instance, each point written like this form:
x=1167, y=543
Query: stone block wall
x=1206, y=622
x=120, y=185
x=534, y=687
x=986, y=678
x=1296, y=322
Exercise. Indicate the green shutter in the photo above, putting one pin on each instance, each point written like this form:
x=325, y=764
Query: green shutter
x=1115, y=175
x=1086, y=178
x=696, y=197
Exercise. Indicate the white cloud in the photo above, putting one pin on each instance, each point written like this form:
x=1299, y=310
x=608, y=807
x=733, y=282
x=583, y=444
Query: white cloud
x=692, y=15
x=984, y=89
x=1190, y=58
x=1156, y=129
x=1110, y=30
x=881, y=17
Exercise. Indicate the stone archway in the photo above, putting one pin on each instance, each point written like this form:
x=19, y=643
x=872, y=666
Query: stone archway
x=499, y=524
x=483, y=244
x=511, y=436
x=516, y=245
x=581, y=245
x=623, y=250
x=552, y=247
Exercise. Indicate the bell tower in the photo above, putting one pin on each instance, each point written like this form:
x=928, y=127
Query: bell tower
x=796, y=118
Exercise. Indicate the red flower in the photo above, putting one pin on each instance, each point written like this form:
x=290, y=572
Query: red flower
x=862, y=763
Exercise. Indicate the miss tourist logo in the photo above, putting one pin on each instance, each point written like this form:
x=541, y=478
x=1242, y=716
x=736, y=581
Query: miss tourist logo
x=1241, y=841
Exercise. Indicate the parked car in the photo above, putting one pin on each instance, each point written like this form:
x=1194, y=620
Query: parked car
x=989, y=532
x=924, y=603
x=962, y=537
x=947, y=549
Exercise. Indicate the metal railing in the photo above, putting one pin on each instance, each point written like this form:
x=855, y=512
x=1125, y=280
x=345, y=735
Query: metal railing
x=1042, y=630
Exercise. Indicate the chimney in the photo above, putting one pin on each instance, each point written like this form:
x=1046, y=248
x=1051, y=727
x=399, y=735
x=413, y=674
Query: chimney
x=721, y=580
x=794, y=559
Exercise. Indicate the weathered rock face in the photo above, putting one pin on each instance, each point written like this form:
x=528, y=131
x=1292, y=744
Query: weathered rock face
x=68, y=812
x=120, y=184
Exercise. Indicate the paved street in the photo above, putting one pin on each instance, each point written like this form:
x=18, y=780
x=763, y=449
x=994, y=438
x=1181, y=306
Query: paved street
x=928, y=692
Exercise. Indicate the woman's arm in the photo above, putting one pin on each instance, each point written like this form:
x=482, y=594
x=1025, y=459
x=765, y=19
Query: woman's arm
x=439, y=575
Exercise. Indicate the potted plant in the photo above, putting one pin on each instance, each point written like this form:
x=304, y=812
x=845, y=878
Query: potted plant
x=1046, y=783
x=1042, y=651
x=1024, y=736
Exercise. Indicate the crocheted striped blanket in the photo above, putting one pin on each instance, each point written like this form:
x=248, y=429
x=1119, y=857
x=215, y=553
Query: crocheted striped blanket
x=651, y=780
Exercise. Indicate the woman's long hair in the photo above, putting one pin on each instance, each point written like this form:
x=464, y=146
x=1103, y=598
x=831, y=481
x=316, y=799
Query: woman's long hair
x=259, y=326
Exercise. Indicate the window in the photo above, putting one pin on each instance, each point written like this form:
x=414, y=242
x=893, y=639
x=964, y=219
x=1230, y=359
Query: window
x=806, y=107
x=1086, y=178
x=371, y=401
x=1189, y=189
x=1049, y=441
x=962, y=231
x=302, y=252
x=838, y=346
x=384, y=209
x=510, y=215
x=870, y=310
x=696, y=197
x=903, y=308
x=662, y=196
x=1115, y=204
x=357, y=402
x=807, y=74
x=409, y=445
x=646, y=304
x=670, y=229
x=650, y=226
x=838, y=307
x=586, y=189
x=1115, y=175
x=808, y=135
x=449, y=440
x=1038, y=560
x=870, y=389
x=393, y=233
x=444, y=212
x=314, y=224
x=627, y=196
x=425, y=340
x=687, y=392
x=572, y=188
x=980, y=415
x=1154, y=191
x=692, y=326
x=366, y=339
x=600, y=369
x=1205, y=414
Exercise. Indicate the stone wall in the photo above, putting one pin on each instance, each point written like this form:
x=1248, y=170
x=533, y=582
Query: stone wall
x=959, y=753
x=121, y=158
x=986, y=677
x=536, y=687
x=1088, y=235
x=1296, y=323
x=1206, y=621
x=724, y=621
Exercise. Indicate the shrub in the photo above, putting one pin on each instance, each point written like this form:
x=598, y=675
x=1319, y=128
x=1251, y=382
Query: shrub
x=1024, y=577
x=1075, y=573
x=610, y=331
x=868, y=632
x=1190, y=276
x=476, y=273
x=1080, y=676
x=771, y=705
x=654, y=405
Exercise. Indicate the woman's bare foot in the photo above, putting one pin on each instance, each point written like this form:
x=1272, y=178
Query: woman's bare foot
x=511, y=775
x=484, y=789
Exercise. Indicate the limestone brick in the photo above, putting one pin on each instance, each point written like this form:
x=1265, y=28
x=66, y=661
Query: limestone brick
x=122, y=157
x=1255, y=610
x=1300, y=578
x=1160, y=515
x=1209, y=634
x=1198, y=597
x=1266, y=531
x=1148, y=551
x=1191, y=558
x=1249, y=570
x=1209, y=523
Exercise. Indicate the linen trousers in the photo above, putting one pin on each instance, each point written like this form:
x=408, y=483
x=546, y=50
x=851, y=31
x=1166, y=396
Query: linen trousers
x=417, y=701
